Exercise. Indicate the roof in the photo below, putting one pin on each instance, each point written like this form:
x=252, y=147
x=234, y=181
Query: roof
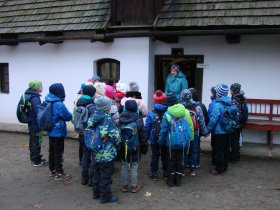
x=219, y=13
x=26, y=16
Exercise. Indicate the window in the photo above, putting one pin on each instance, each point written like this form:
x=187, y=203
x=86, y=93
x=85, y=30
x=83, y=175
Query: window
x=108, y=69
x=4, y=78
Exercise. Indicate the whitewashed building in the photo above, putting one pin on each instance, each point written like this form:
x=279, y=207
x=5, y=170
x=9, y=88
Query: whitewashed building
x=70, y=41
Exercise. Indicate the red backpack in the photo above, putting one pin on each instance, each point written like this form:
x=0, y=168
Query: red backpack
x=195, y=118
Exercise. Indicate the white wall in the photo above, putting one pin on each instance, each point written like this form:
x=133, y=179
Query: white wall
x=70, y=63
x=254, y=63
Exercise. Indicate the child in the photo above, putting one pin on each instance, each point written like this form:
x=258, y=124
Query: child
x=61, y=114
x=175, y=114
x=238, y=99
x=87, y=91
x=152, y=127
x=110, y=93
x=134, y=94
x=221, y=139
x=192, y=159
x=211, y=105
x=129, y=120
x=103, y=160
x=121, y=89
x=35, y=135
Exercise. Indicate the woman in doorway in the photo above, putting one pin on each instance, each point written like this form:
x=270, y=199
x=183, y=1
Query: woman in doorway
x=176, y=81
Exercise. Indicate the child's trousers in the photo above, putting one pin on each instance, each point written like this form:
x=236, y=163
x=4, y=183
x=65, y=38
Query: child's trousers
x=133, y=173
x=102, y=180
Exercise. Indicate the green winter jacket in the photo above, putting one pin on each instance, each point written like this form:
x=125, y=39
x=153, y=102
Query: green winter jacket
x=176, y=84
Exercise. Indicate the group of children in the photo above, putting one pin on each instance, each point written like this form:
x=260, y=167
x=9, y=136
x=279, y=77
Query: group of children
x=173, y=127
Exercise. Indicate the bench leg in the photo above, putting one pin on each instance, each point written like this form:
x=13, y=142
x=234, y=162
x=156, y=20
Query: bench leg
x=270, y=139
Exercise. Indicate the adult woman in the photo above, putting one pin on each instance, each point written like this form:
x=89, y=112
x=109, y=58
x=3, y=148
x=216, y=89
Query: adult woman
x=176, y=81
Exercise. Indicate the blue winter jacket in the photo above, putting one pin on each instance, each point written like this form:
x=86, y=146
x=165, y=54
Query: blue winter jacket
x=211, y=105
x=32, y=113
x=176, y=84
x=158, y=108
x=60, y=115
x=214, y=125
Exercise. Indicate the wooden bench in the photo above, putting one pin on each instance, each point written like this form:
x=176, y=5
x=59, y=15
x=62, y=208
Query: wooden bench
x=264, y=114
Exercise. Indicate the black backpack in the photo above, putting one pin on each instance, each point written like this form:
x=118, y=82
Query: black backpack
x=156, y=127
x=23, y=108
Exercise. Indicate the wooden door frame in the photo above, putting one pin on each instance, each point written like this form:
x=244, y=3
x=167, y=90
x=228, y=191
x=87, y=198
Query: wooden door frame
x=196, y=58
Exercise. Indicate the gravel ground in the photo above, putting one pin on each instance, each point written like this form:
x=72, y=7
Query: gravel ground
x=251, y=184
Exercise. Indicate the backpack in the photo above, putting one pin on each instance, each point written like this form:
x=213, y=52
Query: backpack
x=129, y=137
x=81, y=116
x=193, y=114
x=195, y=118
x=23, y=107
x=44, y=116
x=156, y=126
x=230, y=118
x=93, y=140
x=180, y=133
x=243, y=117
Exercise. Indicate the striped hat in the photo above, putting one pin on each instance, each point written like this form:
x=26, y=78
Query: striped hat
x=222, y=90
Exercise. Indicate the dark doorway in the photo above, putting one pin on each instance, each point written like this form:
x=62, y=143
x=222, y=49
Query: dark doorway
x=188, y=65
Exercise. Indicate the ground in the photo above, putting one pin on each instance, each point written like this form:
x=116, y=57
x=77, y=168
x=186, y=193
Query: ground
x=251, y=184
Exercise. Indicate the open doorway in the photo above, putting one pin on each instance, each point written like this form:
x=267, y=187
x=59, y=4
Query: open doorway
x=188, y=65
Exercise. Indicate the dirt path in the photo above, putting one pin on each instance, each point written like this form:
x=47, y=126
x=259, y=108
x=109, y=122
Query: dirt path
x=251, y=184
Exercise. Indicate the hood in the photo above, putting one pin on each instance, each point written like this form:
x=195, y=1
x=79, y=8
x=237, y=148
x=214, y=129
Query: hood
x=84, y=100
x=226, y=100
x=179, y=75
x=160, y=107
x=98, y=117
x=52, y=98
x=239, y=97
x=177, y=110
x=189, y=104
x=32, y=92
x=128, y=117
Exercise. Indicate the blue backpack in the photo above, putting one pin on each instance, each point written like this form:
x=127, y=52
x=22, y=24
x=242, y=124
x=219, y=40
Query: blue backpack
x=230, y=118
x=44, y=116
x=93, y=140
x=180, y=133
x=129, y=138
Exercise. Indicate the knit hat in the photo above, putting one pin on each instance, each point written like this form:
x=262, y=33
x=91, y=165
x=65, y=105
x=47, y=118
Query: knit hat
x=131, y=105
x=88, y=90
x=119, y=94
x=176, y=67
x=133, y=87
x=222, y=90
x=109, y=91
x=100, y=88
x=103, y=103
x=171, y=99
x=95, y=78
x=186, y=95
x=235, y=88
x=58, y=90
x=35, y=85
x=194, y=94
x=159, y=97
x=122, y=87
